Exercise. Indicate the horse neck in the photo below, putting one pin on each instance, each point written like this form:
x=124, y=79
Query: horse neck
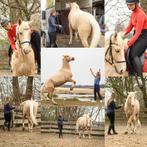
x=65, y=65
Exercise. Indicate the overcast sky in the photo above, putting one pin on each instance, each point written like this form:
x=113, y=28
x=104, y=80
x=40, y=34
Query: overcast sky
x=84, y=60
x=116, y=10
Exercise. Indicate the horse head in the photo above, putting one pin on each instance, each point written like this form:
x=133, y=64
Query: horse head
x=131, y=98
x=24, y=36
x=67, y=58
x=115, y=52
x=74, y=6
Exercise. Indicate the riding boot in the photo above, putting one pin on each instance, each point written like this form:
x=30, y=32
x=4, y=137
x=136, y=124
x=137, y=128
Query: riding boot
x=109, y=130
x=113, y=128
x=137, y=66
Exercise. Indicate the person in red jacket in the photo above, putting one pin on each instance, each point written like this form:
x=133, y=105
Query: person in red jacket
x=11, y=32
x=137, y=45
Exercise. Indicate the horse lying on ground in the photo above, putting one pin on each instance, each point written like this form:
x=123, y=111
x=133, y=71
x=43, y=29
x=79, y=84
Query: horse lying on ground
x=85, y=25
x=62, y=76
x=114, y=55
x=30, y=108
x=23, y=60
x=84, y=123
x=132, y=109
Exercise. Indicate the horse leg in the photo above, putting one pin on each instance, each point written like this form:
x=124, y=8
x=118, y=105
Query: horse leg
x=83, y=133
x=23, y=126
x=50, y=95
x=73, y=85
x=128, y=124
x=84, y=39
x=71, y=34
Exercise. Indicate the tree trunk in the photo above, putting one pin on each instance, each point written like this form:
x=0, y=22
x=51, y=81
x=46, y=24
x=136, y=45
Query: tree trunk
x=16, y=90
x=143, y=4
x=29, y=88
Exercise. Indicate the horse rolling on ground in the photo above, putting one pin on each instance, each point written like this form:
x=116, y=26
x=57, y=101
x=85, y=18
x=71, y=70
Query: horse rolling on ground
x=114, y=55
x=84, y=123
x=132, y=109
x=23, y=60
x=30, y=108
x=85, y=25
x=62, y=76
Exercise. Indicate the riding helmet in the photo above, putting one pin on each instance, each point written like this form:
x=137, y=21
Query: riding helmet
x=4, y=22
x=132, y=1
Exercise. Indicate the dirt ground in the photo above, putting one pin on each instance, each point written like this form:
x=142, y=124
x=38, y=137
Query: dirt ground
x=127, y=140
x=36, y=139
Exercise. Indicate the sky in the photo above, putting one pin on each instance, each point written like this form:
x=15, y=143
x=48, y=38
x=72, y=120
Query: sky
x=84, y=60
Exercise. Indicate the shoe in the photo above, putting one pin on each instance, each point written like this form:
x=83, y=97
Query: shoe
x=109, y=133
x=115, y=133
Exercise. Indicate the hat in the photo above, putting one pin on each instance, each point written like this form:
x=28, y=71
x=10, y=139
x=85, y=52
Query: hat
x=4, y=22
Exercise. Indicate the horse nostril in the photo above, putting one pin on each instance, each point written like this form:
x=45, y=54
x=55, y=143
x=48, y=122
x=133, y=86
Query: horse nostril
x=121, y=71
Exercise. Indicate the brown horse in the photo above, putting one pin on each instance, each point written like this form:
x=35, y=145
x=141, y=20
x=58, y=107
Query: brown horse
x=23, y=60
x=30, y=108
x=85, y=25
x=114, y=55
x=62, y=76
x=132, y=109
x=84, y=123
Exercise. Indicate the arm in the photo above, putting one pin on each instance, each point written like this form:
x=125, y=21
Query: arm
x=129, y=28
x=139, y=28
x=92, y=72
x=52, y=22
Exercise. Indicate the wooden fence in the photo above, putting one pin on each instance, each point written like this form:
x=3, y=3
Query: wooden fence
x=68, y=128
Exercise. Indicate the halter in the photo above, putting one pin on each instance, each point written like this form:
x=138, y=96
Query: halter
x=112, y=61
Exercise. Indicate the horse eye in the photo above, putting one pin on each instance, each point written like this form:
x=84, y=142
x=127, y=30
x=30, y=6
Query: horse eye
x=20, y=33
x=117, y=51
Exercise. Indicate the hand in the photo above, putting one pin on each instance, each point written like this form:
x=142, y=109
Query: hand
x=126, y=47
x=59, y=26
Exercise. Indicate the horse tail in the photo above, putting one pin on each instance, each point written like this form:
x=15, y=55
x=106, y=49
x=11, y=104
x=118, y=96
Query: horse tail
x=32, y=112
x=138, y=123
x=95, y=33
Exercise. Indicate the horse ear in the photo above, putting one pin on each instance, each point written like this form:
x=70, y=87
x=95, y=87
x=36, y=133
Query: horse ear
x=19, y=21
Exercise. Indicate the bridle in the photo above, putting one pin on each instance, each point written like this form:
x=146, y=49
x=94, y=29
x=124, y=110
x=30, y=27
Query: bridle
x=112, y=61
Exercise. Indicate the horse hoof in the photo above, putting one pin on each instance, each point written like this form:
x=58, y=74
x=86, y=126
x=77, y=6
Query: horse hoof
x=23, y=129
x=126, y=133
x=71, y=88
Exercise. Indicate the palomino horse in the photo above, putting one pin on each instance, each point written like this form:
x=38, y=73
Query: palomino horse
x=132, y=109
x=85, y=25
x=84, y=123
x=23, y=61
x=114, y=55
x=30, y=108
x=62, y=76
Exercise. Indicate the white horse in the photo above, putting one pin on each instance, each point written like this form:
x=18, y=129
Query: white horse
x=114, y=55
x=30, y=108
x=23, y=60
x=132, y=109
x=84, y=123
x=62, y=76
x=85, y=25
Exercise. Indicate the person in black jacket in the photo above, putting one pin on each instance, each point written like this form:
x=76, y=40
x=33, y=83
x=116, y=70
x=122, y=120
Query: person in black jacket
x=60, y=121
x=7, y=115
x=111, y=106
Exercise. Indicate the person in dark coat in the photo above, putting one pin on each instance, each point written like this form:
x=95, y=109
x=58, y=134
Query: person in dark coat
x=97, y=78
x=7, y=115
x=60, y=121
x=111, y=106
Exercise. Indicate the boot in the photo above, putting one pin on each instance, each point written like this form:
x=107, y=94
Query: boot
x=114, y=132
x=109, y=131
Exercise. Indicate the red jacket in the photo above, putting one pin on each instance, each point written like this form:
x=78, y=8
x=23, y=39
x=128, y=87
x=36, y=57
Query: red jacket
x=138, y=21
x=12, y=35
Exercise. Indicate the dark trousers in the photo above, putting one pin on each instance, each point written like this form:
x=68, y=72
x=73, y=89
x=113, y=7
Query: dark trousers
x=134, y=53
x=53, y=37
x=8, y=117
x=97, y=92
x=111, y=117
x=60, y=127
x=36, y=45
x=10, y=52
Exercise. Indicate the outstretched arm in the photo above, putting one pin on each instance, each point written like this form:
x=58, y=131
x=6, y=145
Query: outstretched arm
x=92, y=72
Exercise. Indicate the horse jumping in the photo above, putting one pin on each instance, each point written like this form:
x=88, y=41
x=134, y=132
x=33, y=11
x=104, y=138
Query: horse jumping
x=62, y=76
x=85, y=25
x=132, y=109
x=23, y=60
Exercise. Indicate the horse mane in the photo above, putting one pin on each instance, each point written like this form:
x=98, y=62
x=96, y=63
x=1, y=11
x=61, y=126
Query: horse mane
x=75, y=6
